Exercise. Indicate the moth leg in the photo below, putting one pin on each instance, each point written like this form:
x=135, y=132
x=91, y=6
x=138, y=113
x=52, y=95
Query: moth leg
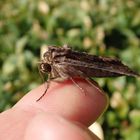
x=94, y=84
x=64, y=76
x=90, y=81
x=77, y=85
x=60, y=79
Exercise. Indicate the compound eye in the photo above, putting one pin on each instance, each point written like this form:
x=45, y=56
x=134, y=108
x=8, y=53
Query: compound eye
x=45, y=67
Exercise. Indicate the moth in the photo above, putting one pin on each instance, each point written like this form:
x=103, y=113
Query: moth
x=61, y=63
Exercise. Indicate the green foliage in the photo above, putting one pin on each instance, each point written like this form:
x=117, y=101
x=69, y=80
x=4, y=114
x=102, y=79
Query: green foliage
x=102, y=27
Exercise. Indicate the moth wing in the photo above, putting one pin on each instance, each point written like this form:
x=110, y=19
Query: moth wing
x=75, y=63
x=101, y=69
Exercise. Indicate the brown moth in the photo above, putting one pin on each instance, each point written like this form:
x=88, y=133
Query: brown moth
x=61, y=63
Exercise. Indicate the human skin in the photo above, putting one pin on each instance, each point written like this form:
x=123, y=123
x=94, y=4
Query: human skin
x=64, y=113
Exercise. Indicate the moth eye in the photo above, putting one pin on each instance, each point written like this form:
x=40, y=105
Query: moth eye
x=45, y=67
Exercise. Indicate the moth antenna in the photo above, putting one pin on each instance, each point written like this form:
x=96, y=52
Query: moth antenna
x=48, y=83
x=44, y=81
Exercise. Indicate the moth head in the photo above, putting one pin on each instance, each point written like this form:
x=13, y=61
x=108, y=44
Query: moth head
x=45, y=67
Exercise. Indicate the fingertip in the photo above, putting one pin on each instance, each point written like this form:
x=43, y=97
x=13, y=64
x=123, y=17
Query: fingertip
x=54, y=127
x=67, y=100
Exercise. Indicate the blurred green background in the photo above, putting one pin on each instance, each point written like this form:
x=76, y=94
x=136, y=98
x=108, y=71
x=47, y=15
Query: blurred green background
x=101, y=27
